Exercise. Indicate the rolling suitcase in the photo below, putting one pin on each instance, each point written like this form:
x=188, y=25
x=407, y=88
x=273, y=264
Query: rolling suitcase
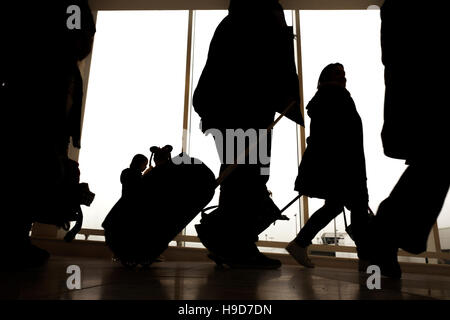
x=139, y=228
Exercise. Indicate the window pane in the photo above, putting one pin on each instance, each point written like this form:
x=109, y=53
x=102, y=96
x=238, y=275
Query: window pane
x=353, y=39
x=135, y=97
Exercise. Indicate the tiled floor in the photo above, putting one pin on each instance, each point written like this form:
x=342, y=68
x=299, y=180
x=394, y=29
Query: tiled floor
x=103, y=279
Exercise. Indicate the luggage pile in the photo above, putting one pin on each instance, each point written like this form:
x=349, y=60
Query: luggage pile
x=139, y=228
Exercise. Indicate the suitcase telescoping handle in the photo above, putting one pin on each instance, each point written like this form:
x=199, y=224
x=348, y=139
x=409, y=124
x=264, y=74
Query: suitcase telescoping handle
x=290, y=204
x=244, y=154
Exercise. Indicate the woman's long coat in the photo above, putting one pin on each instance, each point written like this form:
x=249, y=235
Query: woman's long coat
x=333, y=165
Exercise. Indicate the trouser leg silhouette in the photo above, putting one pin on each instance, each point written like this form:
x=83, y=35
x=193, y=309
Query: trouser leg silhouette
x=406, y=217
x=319, y=220
x=245, y=207
x=331, y=209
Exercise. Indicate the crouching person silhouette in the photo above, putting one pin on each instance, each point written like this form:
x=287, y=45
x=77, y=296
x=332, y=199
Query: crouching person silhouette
x=250, y=74
x=333, y=165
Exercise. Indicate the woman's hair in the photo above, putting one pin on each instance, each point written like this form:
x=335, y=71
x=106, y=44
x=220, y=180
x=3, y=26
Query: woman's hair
x=328, y=73
x=137, y=160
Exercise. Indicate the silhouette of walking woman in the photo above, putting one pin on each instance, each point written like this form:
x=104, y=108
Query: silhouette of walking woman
x=333, y=165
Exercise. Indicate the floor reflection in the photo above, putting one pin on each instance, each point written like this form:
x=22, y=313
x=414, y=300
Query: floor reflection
x=106, y=280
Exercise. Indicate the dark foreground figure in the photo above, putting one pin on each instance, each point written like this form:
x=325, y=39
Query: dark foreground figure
x=415, y=126
x=40, y=95
x=250, y=74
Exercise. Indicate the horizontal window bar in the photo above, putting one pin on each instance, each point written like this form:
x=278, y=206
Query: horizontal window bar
x=282, y=245
x=223, y=4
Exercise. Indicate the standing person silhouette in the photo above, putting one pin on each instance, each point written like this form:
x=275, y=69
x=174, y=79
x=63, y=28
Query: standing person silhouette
x=333, y=166
x=250, y=74
x=415, y=127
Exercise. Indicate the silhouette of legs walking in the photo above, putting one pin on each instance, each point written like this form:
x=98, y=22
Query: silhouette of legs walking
x=406, y=217
x=245, y=210
x=319, y=220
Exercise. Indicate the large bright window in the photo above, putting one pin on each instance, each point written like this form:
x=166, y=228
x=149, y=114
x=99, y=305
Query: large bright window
x=135, y=97
x=136, y=93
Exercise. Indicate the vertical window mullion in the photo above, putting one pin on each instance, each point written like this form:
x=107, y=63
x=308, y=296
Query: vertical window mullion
x=187, y=95
x=303, y=204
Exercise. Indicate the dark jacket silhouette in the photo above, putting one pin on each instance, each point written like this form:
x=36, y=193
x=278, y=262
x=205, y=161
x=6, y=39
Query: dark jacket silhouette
x=333, y=165
x=40, y=69
x=250, y=71
x=414, y=54
x=131, y=179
